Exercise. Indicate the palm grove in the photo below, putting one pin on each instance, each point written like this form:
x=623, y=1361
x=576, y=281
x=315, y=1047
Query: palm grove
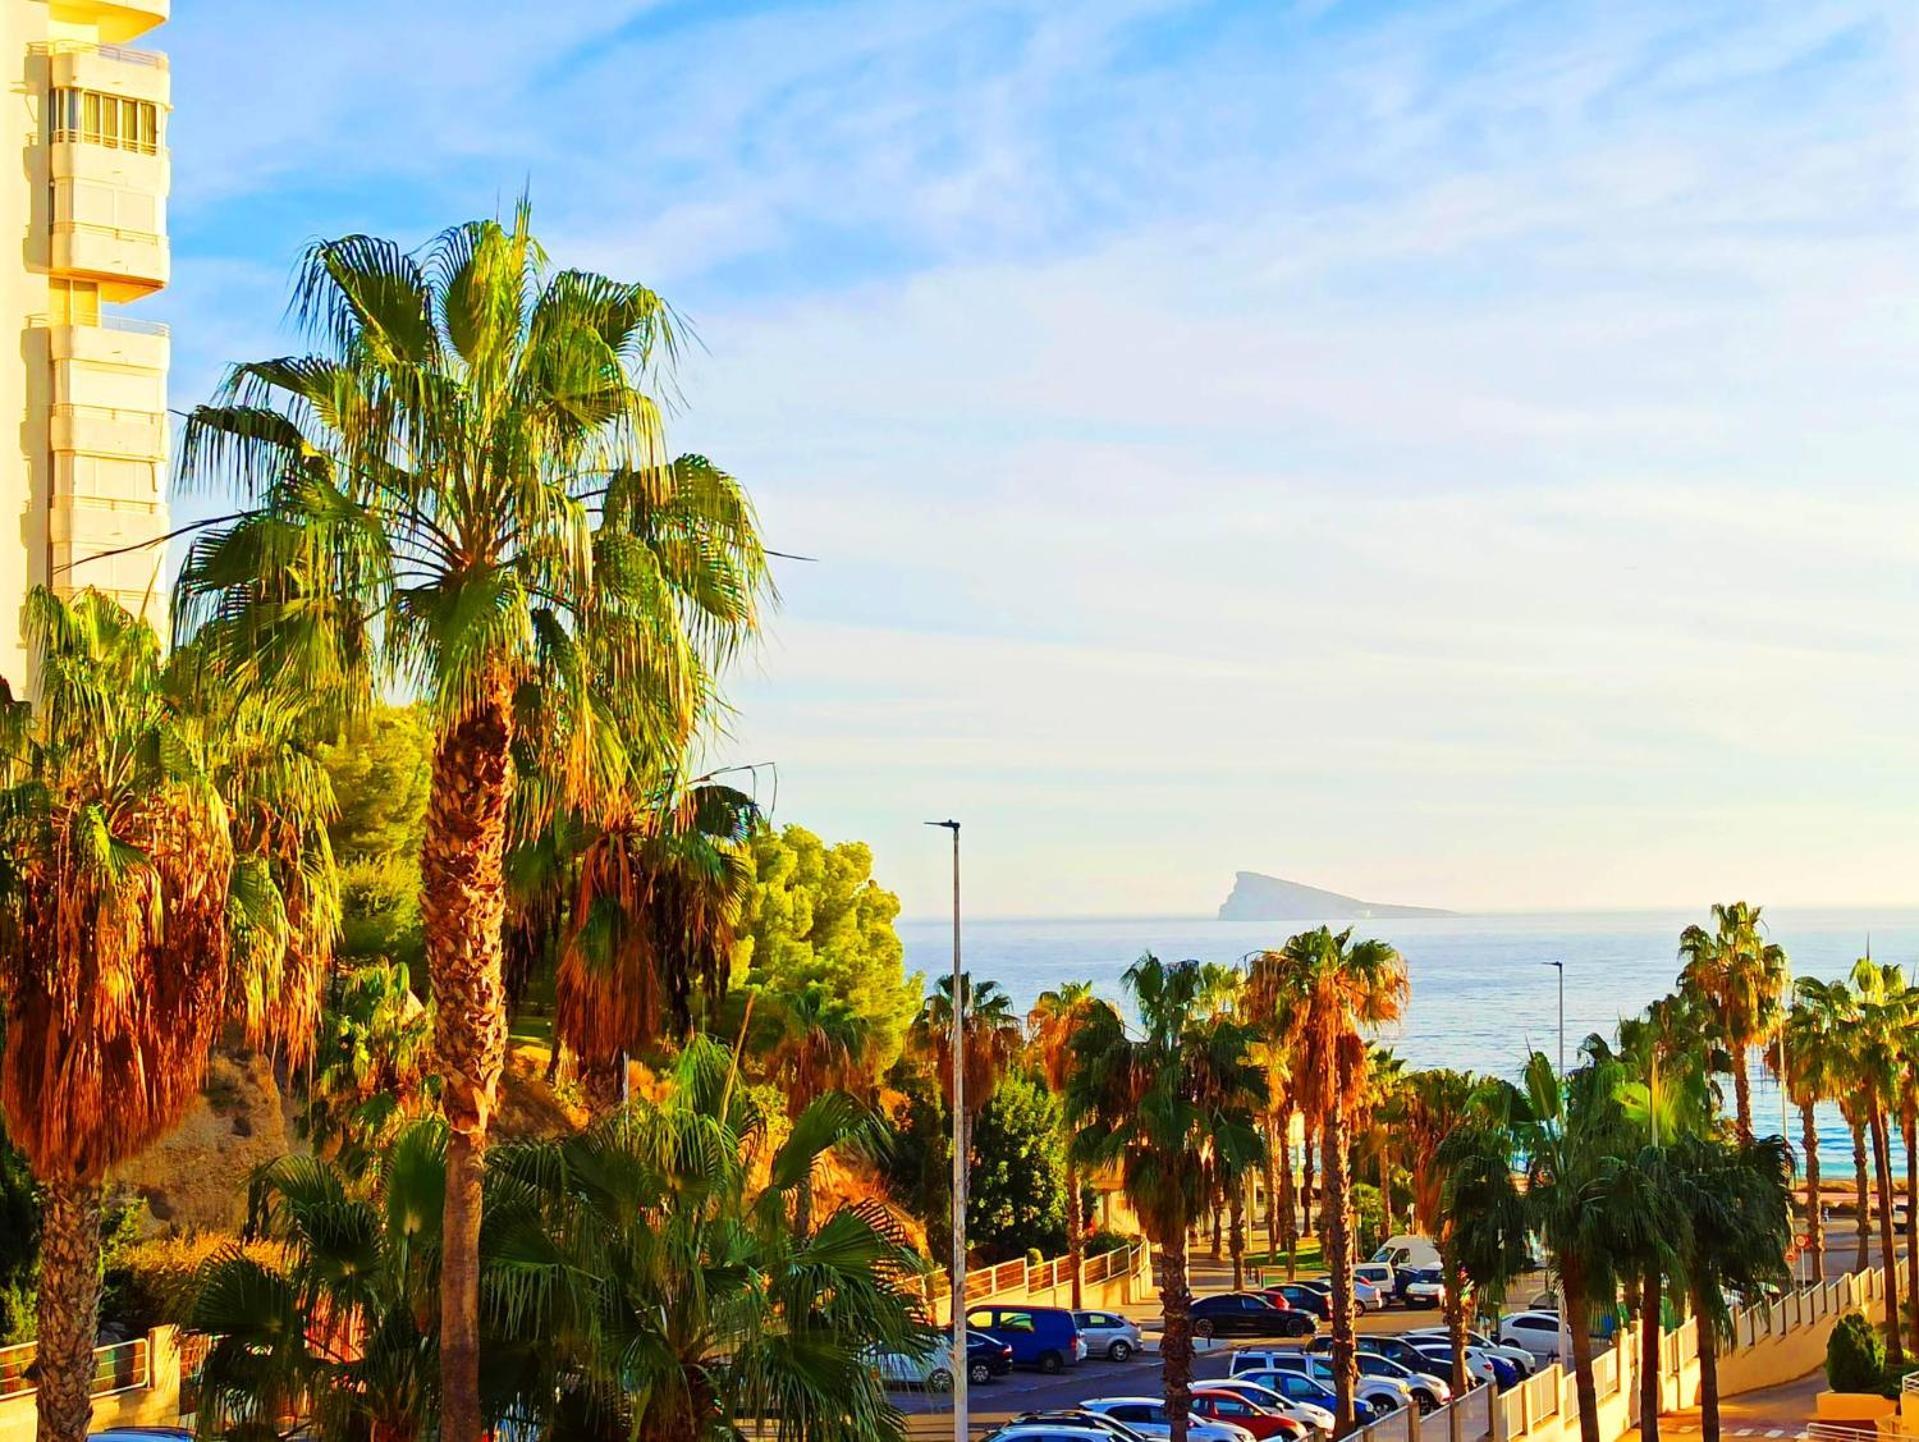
x=463, y=496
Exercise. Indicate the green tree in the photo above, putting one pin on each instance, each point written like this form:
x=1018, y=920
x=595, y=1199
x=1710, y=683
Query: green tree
x=379, y=773
x=1815, y=1072
x=1016, y=1191
x=465, y=488
x=813, y=915
x=1150, y=1105
x=1051, y=1024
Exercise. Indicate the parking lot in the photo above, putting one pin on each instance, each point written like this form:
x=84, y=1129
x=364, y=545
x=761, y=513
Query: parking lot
x=1026, y=1390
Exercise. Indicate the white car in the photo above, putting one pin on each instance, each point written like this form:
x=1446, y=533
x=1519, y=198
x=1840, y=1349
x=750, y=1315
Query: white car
x=1147, y=1416
x=1429, y=1392
x=1107, y=1334
x=931, y=1369
x=1524, y=1362
x=1478, y=1365
x=1306, y=1414
x=1049, y=1432
x=1385, y=1395
x=1536, y=1332
x=1377, y=1275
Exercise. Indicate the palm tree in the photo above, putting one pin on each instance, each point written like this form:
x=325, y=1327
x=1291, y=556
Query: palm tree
x=1885, y=1008
x=1734, y=1200
x=1815, y=1062
x=817, y=1045
x=332, y=1326
x=1340, y=991
x=115, y=865
x=1461, y=1181
x=1051, y=1025
x=1151, y=1105
x=465, y=490
x=1741, y=978
x=649, y=926
x=1264, y=1004
x=664, y=1290
x=1837, y=1008
x=1382, y=1112
x=993, y=1039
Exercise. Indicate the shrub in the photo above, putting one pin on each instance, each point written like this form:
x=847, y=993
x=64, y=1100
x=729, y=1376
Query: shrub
x=1098, y=1243
x=1855, y=1356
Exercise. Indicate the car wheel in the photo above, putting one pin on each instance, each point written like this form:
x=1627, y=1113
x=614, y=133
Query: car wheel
x=1120, y=1351
x=1203, y=1328
x=939, y=1380
x=979, y=1373
x=1425, y=1401
x=1051, y=1363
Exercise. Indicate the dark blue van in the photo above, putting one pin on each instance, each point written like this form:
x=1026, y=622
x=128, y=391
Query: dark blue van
x=1042, y=1337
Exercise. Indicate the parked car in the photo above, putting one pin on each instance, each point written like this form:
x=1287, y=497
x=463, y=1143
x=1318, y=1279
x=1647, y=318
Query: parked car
x=1378, y=1276
x=1420, y=1286
x=1408, y=1251
x=1148, y=1417
x=932, y=1369
x=1247, y=1314
x=1050, y=1431
x=1107, y=1334
x=1216, y=1404
x=1523, y=1361
x=1298, y=1387
x=1536, y=1332
x=1301, y=1298
x=1366, y=1297
x=1426, y=1358
x=1106, y=1426
x=1384, y=1395
x=1496, y=1370
x=1430, y=1390
x=1307, y=1414
x=1042, y=1337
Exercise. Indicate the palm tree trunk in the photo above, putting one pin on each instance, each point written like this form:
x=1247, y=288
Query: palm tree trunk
x=1289, y=1221
x=1882, y=1174
x=1651, y=1333
x=1272, y=1192
x=1075, y=1229
x=1236, y=1234
x=1306, y=1222
x=68, y=1309
x=600, y=1085
x=1860, y=1190
x=1337, y=1245
x=1212, y=1205
x=1579, y=1325
x=1908, y=1123
x=1815, y=1225
x=1454, y=1303
x=1176, y=1344
x=1386, y=1183
x=1708, y=1366
x=1742, y=1092
x=463, y=902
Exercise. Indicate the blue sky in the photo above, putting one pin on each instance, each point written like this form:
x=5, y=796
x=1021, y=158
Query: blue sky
x=1458, y=453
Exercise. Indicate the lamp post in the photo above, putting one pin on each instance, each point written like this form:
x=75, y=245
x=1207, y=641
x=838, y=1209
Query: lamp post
x=1565, y=1340
x=958, y=1275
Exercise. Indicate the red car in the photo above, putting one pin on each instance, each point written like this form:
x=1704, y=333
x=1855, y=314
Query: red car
x=1218, y=1405
x=1277, y=1297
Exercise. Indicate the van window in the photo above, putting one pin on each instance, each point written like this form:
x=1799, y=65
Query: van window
x=1016, y=1322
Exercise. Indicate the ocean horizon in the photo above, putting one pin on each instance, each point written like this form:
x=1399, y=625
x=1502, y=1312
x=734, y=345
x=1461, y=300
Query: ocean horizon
x=1484, y=992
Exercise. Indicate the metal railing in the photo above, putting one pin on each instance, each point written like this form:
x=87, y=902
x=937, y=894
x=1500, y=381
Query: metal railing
x=987, y=1282
x=152, y=59
x=118, y=232
x=120, y=1367
x=67, y=135
x=134, y=325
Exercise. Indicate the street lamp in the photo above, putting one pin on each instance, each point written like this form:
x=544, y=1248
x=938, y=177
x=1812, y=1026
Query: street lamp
x=958, y=1274
x=1565, y=1340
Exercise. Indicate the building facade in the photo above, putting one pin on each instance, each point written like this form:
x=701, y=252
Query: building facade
x=83, y=380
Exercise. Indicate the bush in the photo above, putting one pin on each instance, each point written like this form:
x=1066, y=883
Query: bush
x=1855, y=1356
x=1098, y=1243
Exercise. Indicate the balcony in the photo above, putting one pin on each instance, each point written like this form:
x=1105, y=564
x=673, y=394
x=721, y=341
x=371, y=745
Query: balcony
x=127, y=263
x=141, y=172
x=118, y=341
x=109, y=69
x=115, y=21
x=109, y=431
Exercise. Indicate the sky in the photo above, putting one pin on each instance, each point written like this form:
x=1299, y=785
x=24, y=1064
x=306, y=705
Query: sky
x=1451, y=453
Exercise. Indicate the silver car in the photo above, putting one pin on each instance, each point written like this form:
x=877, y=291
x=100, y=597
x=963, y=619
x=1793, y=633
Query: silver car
x=1107, y=1334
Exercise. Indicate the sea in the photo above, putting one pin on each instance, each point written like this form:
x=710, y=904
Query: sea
x=1484, y=990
